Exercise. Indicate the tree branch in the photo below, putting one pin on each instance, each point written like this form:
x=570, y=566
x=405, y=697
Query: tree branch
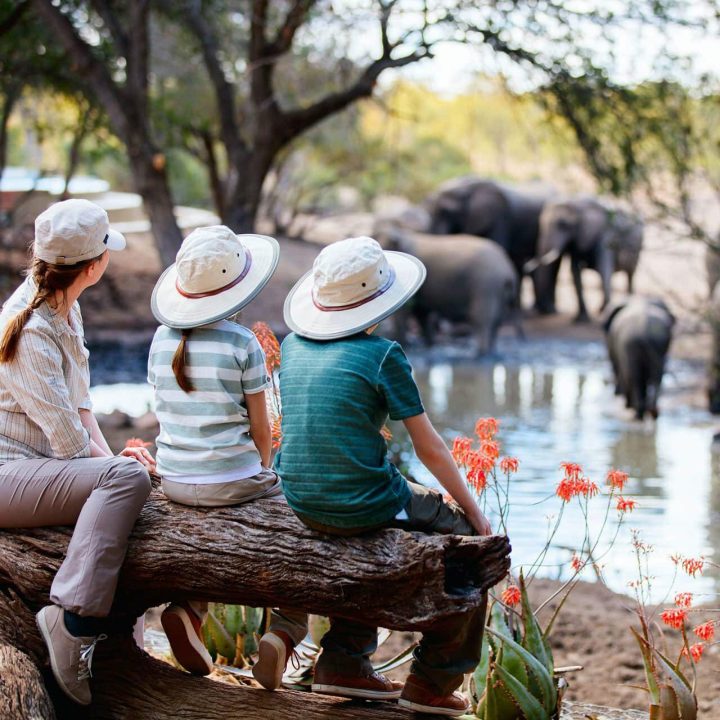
x=8, y=23
x=112, y=23
x=197, y=24
x=295, y=122
x=295, y=18
x=87, y=66
x=138, y=53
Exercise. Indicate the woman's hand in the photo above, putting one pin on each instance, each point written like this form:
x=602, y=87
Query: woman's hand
x=141, y=455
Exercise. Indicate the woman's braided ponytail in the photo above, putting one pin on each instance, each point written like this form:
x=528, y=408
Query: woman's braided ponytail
x=49, y=280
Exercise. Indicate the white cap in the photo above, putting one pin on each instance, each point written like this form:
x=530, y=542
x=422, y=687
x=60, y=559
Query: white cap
x=71, y=231
x=353, y=285
x=215, y=274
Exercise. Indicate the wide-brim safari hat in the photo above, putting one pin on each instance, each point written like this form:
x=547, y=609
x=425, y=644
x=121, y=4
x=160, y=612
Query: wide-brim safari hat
x=216, y=273
x=353, y=285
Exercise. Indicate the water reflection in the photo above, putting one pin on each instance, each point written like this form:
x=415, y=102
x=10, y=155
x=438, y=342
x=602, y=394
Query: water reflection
x=555, y=402
x=565, y=409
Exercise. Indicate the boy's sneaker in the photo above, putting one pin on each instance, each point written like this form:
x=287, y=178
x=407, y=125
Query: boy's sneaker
x=420, y=696
x=184, y=633
x=274, y=650
x=70, y=656
x=368, y=687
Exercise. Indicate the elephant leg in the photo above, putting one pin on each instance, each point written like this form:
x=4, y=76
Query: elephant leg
x=606, y=262
x=615, y=370
x=637, y=379
x=630, y=282
x=427, y=326
x=582, y=314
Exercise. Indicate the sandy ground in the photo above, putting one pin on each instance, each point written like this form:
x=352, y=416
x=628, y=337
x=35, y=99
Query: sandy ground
x=593, y=628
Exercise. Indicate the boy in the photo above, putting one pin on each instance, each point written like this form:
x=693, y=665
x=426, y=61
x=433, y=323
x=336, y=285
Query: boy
x=338, y=385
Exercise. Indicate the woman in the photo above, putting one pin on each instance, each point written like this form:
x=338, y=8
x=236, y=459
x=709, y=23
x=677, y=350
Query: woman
x=55, y=466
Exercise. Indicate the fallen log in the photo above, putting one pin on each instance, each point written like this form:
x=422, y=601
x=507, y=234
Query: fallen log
x=257, y=554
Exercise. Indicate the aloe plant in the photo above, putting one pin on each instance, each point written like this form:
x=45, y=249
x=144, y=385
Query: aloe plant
x=515, y=678
x=671, y=694
x=231, y=634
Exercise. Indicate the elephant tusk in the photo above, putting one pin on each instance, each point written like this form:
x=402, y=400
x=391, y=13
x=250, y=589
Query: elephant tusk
x=547, y=259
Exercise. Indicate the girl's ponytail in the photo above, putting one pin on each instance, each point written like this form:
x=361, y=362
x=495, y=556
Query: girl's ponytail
x=179, y=363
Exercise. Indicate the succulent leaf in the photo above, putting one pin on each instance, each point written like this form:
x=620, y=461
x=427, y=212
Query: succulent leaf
x=529, y=706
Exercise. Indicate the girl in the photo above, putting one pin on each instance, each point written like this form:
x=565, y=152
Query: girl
x=55, y=466
x=210, y=379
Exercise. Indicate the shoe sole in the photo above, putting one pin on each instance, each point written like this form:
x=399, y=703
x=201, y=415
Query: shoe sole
x=190, y=653
x=432, y=709
x=269, y=668
x=340, y=691
x=45, y=632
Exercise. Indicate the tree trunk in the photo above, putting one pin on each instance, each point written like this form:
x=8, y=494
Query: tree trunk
x=151, y=182
x=257, y=554
x=245, y=187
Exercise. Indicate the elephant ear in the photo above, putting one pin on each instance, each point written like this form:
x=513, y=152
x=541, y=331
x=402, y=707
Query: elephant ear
x=610, y=312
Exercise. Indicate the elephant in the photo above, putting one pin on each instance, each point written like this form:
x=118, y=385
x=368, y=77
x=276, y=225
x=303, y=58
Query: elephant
x=473, y=206
x=470, y=281
x=595, y=236
x=638, y=334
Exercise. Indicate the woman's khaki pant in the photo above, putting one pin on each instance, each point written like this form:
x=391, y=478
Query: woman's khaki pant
x=101, y=497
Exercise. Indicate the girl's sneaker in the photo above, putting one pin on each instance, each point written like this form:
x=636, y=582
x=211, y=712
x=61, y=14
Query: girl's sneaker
x=184, y=632
x=274, y=650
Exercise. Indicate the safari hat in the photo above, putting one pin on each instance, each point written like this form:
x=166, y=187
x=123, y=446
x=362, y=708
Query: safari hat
x=353, y=285
x=71, y=231
x=216, y=273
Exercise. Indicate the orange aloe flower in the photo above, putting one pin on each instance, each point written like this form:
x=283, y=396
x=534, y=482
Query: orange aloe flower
x=136, y=442
x=624, y=505
x=674, y=618
x=572, y=471
x=477, y=478
x=617, y=479
x=491, y=448
x=509, y=465
x=696, y=651
x=276, y=432
x=477, y=460
x=461, y=449
x=576, y=563
x=511, y=595
x=586, y=487
x=683, y=599
x=487, y=428
x=706, y=631
x=565, y=490
x=270, y=345
x=693, y=565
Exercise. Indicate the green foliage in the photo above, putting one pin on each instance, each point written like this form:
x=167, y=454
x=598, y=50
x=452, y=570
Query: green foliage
x=514, y=680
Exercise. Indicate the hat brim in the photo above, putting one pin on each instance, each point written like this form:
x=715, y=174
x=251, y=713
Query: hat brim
x=116, y=240
x=177, y=311
x=306, y=319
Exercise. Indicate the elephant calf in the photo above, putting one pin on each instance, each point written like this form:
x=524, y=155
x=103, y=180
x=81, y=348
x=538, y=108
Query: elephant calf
x=470, y=281
x=638, y=334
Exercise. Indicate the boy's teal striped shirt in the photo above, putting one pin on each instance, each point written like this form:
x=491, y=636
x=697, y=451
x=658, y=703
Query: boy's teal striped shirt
x=336, y=396
x=207, y=431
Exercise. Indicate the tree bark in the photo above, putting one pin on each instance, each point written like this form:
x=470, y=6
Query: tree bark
x=258, y=554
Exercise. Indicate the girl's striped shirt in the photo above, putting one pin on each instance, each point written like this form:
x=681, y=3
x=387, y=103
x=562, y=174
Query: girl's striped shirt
x=207, y=432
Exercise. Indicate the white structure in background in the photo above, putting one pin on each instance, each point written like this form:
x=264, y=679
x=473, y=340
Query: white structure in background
x=125, y=210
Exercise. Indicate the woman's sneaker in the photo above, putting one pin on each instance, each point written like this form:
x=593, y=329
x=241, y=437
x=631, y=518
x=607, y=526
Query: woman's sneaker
x=420, y=696
x=183, y=628
x=373, y=686
x=70, y=656
x=274, y=650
